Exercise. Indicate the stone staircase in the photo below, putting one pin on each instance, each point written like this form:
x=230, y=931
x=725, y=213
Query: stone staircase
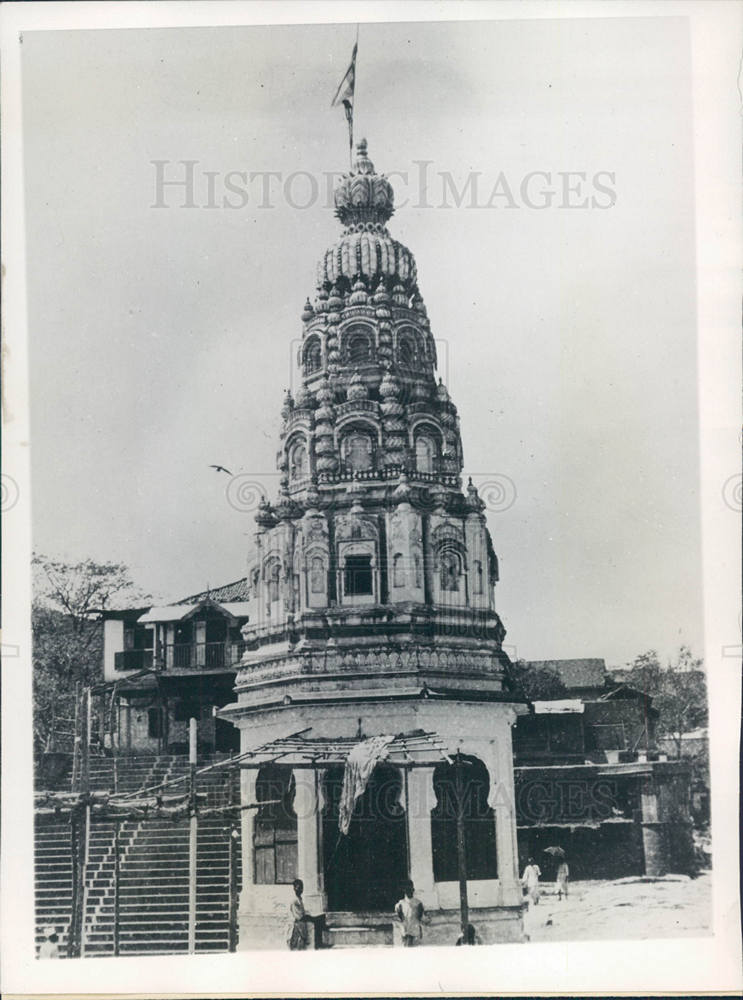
x=153, y=867
x=153, y=900
x=53, y=879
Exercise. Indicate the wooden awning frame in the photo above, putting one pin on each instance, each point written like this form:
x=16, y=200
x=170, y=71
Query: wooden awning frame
x=298, y=750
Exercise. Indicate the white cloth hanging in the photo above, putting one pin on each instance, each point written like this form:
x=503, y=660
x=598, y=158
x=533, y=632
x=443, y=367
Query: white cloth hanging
x=361, y=761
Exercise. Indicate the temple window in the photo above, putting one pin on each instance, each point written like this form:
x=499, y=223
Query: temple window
x=479, y=822
x=425, y=453
x=406, y=351
x=451, y=570
x=275, y=832
x=359, y=349
x=357, y=576
x=298, y=466
x=312, y=356
x=358, y=452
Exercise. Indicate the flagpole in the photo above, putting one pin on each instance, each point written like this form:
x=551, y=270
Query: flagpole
x=350, y=123
x=345, y=95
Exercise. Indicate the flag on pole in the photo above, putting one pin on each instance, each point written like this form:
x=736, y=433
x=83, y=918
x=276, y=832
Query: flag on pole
x=345, y=94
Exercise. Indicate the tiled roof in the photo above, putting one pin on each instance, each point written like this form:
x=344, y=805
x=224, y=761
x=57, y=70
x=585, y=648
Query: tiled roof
x=587, y=673
x=237, y=591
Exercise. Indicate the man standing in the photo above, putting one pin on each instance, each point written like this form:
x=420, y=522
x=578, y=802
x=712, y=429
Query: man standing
x=410, y=914
x=563, y=875
x=530, y=879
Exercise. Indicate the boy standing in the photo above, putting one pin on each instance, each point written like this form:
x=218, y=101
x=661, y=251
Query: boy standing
x=410, y=914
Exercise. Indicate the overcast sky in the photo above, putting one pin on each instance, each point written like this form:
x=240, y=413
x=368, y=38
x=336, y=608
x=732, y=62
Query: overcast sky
x=161, y=339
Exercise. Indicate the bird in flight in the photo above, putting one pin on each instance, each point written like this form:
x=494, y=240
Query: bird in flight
x=220, y=468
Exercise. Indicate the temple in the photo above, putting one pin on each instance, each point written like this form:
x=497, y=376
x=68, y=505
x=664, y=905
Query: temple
x=371, y=614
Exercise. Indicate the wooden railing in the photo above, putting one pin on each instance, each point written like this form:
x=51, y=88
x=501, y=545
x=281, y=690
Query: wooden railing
x=133, y=659
x=202, y=655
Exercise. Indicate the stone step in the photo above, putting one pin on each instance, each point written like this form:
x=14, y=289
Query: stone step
x=361, y=936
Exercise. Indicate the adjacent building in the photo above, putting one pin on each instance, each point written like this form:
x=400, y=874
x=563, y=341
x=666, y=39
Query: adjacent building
x=168, y=664
x=591, y=779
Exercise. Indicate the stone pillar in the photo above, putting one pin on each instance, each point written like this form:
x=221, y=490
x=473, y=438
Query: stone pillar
x=248, y=779
x=653, y=830
x=502, y=799
x=309, y=842
x=421, y=800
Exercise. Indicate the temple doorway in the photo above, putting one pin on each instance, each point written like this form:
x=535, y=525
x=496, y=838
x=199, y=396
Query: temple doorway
x=366, y=869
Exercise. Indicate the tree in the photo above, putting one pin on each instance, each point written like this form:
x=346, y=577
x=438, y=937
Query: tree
x=66, y=620
x=536, y=683
x=678, y=691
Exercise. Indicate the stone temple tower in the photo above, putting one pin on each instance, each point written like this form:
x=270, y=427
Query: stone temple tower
x=372, y=615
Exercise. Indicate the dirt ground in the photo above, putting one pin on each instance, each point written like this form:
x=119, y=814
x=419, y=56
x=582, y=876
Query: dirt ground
x=673, y=906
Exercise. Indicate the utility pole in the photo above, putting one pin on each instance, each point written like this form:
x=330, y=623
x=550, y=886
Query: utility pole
x=76, y=742
x=192, y=838
x=80, y=823
x=461, y=848
x=85, y=790
x=117, y=863
x=234, y=834
x=232, y=915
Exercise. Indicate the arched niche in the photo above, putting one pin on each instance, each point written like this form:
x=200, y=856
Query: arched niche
x=427, y=447
x=272, y=585
x=316, y=562
x=358, y=447
x=426, y=453
x=298, y=459
x=410, y=347
x=275, y=827
x=357, y=559
x=312, y=355
x=366, y=868
x=357, y=345
x=479, y=822
x=450, y=573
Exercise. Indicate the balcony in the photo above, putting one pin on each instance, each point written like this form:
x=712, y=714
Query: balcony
x=391, y=472
x=133, y=659
x=202, y=655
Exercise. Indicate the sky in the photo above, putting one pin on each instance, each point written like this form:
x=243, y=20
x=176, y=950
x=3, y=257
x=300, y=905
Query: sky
x=162, y=338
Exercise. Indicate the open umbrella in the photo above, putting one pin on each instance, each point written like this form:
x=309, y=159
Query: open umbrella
x=556, y=852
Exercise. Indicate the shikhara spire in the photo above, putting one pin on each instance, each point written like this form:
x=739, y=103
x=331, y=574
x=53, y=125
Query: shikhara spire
x=370, y=445
x=368, y=352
